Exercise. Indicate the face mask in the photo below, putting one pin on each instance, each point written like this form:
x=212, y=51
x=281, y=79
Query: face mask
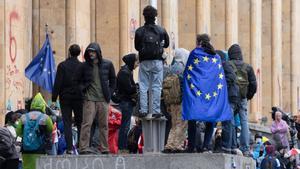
x=93, y=57
x=258, y=140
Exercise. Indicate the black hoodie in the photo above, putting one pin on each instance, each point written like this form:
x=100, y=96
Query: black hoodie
x=125, y=83
x=235, y=55
x=106, y=73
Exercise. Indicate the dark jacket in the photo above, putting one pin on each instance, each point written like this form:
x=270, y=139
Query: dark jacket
x=230, y=76
x=235, y=55
x=64, y=85
x=125, y=83
x=107, y=74
x=139, y=36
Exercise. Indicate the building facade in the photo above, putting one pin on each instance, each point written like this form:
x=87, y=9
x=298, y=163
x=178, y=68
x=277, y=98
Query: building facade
x=267, y=30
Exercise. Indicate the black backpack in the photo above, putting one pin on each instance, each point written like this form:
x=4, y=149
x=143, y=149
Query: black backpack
x=7, y=143
x=152, y=46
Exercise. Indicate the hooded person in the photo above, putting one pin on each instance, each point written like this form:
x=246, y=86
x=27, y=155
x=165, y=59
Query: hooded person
x=127, y=91
x=177, y=133
x=69, y=96
x=150, y=41
x=270, y=161
x=96, y=80
x=247, y=88
x=228, y=135
x=36, y=140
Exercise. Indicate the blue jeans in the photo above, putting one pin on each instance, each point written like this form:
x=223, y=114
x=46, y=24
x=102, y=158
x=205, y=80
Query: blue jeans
x=244, y=138
x=150, y=73
x=227, y=131
x=127, y=109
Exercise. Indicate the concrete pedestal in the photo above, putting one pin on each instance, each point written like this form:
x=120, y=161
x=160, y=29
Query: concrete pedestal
x=150, y=161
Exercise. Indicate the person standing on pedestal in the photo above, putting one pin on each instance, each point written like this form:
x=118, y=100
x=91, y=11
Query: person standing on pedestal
x=97, y=80
x=150, y=40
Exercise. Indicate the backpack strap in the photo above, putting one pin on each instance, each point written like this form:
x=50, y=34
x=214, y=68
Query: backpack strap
x=233, y=65
x=38, y=120
x=244, y=67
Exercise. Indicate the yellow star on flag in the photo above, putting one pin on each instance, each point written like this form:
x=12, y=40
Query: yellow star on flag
x=220, y=66
x=205, y=58
x=189, y=76
x=221, y=76
x=199, y=93
x=190, y=68
x=207, y=96
x=220, y=86
x=215, y=94
x=214, y=60
x=192, y=86
x=196, y=61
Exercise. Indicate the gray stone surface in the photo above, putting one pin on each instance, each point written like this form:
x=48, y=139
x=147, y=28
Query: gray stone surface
x=149, y=161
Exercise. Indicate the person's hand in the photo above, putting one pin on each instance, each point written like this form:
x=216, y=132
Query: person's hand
x=53, y=105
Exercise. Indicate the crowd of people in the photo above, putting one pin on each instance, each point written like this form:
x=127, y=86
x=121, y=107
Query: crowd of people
x=89, y=91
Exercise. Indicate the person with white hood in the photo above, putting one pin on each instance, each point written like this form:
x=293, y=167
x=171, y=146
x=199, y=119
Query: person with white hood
x=172, y=98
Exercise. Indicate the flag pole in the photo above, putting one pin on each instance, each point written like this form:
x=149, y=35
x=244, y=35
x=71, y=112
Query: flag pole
x=46, y=28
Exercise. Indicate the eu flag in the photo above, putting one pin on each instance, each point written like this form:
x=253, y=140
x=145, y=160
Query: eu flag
x=41, y=70
x=205, y=95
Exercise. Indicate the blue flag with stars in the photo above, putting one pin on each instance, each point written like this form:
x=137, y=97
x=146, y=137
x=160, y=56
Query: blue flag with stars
x=205, y=95
x=41, y=70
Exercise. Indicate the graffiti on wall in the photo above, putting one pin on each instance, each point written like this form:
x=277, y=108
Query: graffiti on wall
x=132, y=29
x=14, y=78
x=12, y=40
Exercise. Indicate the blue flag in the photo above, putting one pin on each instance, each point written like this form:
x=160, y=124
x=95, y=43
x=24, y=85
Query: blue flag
x=205, y=95
x=41, y=70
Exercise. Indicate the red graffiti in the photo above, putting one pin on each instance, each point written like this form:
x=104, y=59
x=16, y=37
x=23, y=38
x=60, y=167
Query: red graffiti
x=12, y=40
x=19, y=104
x=133, y=26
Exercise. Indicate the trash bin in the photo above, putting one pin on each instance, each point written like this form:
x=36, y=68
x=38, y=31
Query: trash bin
x=153, y=134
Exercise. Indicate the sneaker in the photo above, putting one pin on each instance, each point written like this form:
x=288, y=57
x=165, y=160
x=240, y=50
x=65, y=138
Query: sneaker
x=87, y=152
x=69, y=152
x=236, y=151
x=157, y=116
x=206, y=151
x=105, y=152
x=142, y=114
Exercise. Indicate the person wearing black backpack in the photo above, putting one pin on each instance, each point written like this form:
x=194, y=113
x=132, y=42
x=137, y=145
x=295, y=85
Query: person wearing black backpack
x=247, y=88
x=150, y=41
x=127, y=91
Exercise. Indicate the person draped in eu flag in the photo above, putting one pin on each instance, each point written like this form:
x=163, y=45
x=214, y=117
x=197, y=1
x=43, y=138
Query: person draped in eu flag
x=205, y=95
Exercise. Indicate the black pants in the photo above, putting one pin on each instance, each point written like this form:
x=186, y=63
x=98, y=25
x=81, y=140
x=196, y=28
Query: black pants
x=192, y=130
x=67, y=106
x=10, y=164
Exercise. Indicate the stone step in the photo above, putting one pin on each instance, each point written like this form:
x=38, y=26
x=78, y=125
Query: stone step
x=148, y=161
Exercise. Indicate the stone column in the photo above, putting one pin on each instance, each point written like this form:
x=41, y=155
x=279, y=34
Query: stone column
x=256, y=56
x=203, y=16
x=123, y=28
x=93, y=20
x=35, y=35
x=231, y=22
x=295, y=55
x=276, y=54
x=70, y=23
x=170, y=23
